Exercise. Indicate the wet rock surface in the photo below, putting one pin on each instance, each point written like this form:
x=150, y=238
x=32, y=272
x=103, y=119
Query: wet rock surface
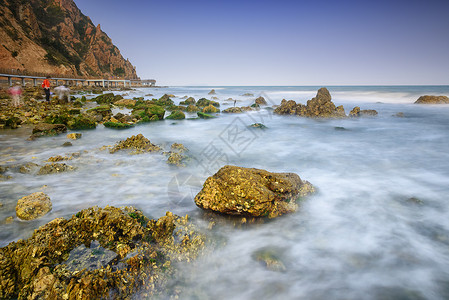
x=252, y=192
x=99, y=253
x=33, y=206
x=426, y=99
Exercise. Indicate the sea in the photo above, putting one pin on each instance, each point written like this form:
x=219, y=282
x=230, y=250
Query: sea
x=377, y=227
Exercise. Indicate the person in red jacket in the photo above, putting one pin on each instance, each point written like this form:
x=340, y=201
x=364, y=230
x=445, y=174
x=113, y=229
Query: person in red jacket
x=46, y=86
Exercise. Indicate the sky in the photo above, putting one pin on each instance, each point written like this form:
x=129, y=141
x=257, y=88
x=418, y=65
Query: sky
x=281, y=42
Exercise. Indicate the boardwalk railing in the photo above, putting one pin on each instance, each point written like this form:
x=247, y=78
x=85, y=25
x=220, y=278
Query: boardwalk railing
x=68, y=79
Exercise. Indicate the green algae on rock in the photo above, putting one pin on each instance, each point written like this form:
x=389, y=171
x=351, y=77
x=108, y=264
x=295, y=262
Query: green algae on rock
x=137, y=143
x=176, y=115
x=252, y=192
x=117, y=125
x=210, y=109
x=205, y=116
x=131, y=254
x=33, y=206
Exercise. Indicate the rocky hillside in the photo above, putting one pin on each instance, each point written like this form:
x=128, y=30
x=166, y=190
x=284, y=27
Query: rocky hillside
x=53, y=36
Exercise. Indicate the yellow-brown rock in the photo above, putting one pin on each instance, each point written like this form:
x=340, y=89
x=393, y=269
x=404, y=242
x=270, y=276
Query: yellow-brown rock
x=74, y=136
x=252, y=192
x=33, y=206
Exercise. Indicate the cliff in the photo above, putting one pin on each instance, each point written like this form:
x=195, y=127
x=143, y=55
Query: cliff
x=53, y=36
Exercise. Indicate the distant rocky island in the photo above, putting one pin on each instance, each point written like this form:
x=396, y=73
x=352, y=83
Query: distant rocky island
x=55, y=37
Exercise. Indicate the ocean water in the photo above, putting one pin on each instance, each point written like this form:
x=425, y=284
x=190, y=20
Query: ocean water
x=377, y=228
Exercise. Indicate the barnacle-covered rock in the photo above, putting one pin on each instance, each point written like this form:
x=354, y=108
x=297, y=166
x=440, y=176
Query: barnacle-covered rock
x=33, y=206
x=252, y=192
x=99, y=253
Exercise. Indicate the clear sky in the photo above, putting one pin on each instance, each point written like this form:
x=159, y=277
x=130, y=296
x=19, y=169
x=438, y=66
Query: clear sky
x=334, y=42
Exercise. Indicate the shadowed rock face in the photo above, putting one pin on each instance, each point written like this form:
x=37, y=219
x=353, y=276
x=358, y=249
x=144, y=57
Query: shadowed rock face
x=320, y=106
x=252, y=192
x=432, y=100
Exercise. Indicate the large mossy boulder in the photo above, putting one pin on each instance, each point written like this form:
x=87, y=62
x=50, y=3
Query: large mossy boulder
x=210, y=109
x=99, y=253
x=33, y=206
x=252, y=192
x=320, y=106
x=44, y=129
x=108, y=98
x=426, y=99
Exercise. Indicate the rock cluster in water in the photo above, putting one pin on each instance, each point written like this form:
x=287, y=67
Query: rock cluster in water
x=252, y=192
x=99, y=253
x=321, y=106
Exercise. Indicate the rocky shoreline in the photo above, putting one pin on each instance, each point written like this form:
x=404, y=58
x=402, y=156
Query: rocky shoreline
x=116, y=252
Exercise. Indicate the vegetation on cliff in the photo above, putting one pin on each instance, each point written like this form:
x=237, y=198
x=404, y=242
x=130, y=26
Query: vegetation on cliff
x=54, y=36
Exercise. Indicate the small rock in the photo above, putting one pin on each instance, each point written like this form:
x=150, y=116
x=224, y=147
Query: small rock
x=9, y=220
x=212, y=92
x=248, y=95
x=261, y=101
x=54, y=168
x=399, y=115
x=33, y=206
x=74, y=136
x=67, y=144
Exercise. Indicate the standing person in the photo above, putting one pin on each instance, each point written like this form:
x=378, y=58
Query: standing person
x=16, y=92
x=46, y=86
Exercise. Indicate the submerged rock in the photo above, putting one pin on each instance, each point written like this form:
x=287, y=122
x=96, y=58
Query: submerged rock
x=33, y=206
x=270, y=258
x=176, y=156
x=137, y=143
x=99, y=253
x=252, y=192
x=432, y=100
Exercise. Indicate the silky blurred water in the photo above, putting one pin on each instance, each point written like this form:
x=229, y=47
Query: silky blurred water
x=378, y=227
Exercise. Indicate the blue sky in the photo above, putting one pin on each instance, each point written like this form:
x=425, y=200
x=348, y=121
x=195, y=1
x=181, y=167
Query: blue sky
x=280, y=42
